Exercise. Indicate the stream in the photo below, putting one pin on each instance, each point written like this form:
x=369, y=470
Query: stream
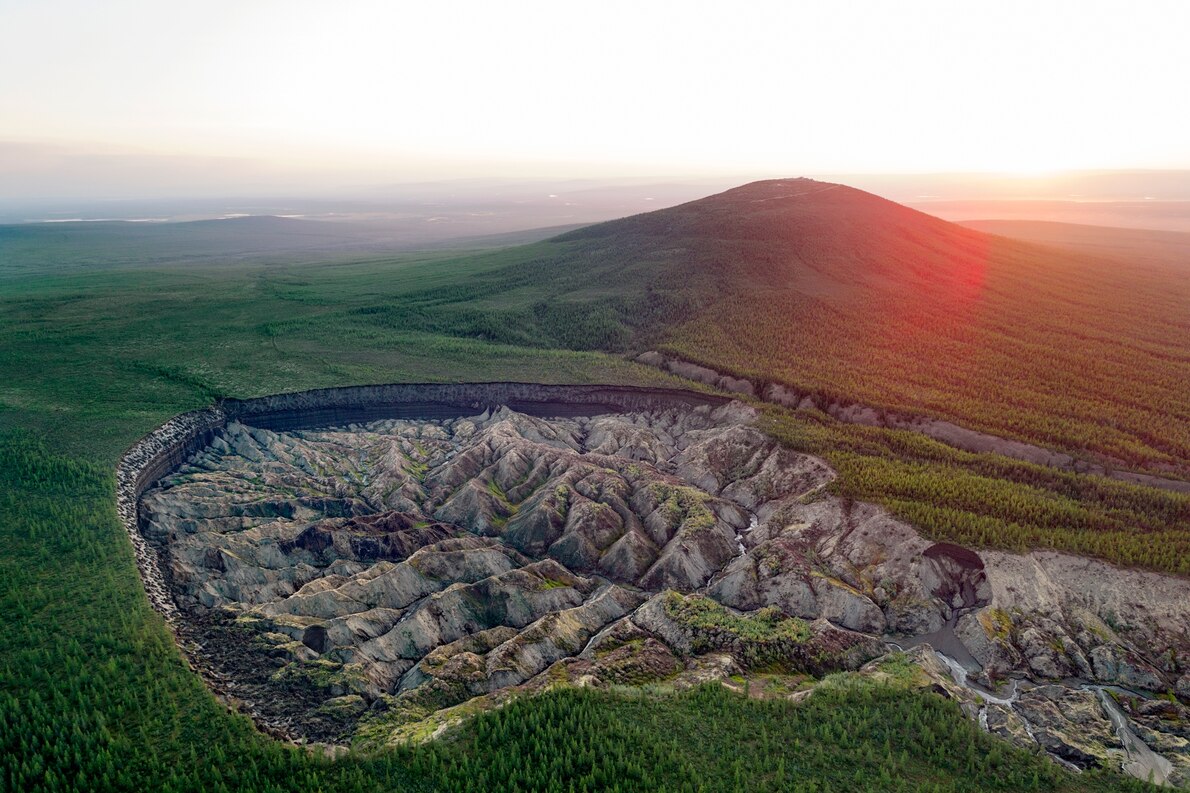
x=1141, y=761
x=753, y=522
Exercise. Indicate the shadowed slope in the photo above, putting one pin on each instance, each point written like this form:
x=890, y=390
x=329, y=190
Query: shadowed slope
x=802, y=234
x=836, y=291
x=1062, y=347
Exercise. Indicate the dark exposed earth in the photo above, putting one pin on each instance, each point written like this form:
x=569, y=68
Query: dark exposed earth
x=375, y=583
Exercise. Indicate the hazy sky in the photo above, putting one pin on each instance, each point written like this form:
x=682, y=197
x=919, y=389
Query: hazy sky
x=353, y=92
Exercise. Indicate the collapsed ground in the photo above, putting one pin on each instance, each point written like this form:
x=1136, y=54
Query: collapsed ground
x=376, y=583
x=97, y=353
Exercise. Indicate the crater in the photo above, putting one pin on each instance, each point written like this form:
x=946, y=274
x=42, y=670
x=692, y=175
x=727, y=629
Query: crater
x=385, y=570
x=365, y=565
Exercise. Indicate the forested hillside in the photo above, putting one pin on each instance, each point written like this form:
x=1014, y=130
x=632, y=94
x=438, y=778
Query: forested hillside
x=838, y=292
x=93, y=695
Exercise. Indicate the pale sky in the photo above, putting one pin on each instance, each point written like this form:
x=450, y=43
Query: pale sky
x=380, y=91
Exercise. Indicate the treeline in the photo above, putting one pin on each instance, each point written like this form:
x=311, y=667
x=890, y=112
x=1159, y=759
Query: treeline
x=985, y=500
x=859, y=737
x=94, y=696
x=1035, y=359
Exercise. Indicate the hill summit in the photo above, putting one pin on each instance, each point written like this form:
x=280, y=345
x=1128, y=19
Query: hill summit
x=800, y=233
x=837, y=292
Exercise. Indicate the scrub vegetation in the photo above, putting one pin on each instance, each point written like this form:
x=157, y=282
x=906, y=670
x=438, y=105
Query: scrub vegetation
x=838, y=293
x=99, y=350
x=990, y=501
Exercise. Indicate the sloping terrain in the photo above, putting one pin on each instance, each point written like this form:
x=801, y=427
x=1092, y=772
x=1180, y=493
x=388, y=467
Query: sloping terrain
x=837, y=292
x=383, y=580
x=471, y=554
x=94, y=689
x=1170, y=249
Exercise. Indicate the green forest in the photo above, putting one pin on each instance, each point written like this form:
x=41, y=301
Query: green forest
x=852, y=298
x=95, y=696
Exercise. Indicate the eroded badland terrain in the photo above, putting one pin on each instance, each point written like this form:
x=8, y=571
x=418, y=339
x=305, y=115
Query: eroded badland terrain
x=376, y=582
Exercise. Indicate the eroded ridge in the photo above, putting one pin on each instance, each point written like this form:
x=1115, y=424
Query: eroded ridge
x=375, y=581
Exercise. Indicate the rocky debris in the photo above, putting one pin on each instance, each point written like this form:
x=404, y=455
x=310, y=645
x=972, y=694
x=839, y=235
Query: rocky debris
x=956, y=576
x=1054, y=616
x=385, y=572
x=699, y=374
x=1079, y=726
x=1163, y=726
x=485, y=661
x=1068, y=723
x=168, y=446
x=147, y=459
x=938, y=429
x=417, y=564
x=852, y=564
x=763, y=639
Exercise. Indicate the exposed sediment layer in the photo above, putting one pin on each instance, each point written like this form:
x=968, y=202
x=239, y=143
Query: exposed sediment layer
x=945, y=431
x=375, y=574
x=412, y=564
x=169, y=445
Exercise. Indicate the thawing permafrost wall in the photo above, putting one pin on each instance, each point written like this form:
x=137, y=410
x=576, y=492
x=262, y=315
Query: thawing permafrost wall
x=168, y=446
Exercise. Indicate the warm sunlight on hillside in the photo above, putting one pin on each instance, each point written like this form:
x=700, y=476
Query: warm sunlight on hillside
x=647, y=395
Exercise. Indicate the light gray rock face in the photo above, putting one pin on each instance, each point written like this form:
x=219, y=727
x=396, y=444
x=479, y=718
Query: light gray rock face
x=430, y=561
x=1078, y=725
x=1053, y=616
x=416, y=564
x=944, y=431
x=854, y=565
